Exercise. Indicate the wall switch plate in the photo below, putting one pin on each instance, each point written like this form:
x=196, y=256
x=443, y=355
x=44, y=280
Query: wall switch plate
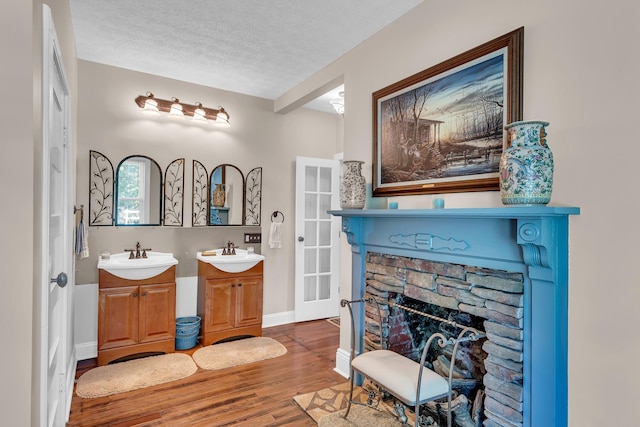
x=252, y=237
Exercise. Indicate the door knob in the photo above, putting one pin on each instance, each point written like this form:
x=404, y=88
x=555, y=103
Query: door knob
x=300, y=239
x=61, y=280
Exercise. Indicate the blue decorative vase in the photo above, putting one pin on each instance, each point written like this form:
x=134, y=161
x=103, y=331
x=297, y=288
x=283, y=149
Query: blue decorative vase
x=526, y=166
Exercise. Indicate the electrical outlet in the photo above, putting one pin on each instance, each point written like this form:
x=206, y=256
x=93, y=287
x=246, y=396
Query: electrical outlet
x=252, y=237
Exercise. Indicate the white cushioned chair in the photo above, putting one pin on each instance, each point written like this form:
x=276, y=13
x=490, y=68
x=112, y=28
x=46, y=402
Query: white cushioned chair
x=410, y=382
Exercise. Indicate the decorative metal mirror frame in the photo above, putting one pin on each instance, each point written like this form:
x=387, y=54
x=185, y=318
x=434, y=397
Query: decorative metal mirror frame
x=101, y=190
x=200, y=198
x=253, y=197
x=251, y=203
x=174, y=194
x=102, y=193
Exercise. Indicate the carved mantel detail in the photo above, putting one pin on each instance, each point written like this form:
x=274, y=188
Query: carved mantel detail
x=429, y=242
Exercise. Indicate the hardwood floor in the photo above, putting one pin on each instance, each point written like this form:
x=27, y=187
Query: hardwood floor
x=258, y=394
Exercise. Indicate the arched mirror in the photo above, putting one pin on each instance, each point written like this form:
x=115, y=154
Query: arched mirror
x=138, y=191
x=226, y=196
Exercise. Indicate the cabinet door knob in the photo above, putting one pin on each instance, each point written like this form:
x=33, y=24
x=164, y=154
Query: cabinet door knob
x=239, y=284
x=135, y=294
x=233, y=286
x=144, y=294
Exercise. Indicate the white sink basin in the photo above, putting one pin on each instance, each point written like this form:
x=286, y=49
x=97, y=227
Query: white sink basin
x=137, y=269
x=241, y=261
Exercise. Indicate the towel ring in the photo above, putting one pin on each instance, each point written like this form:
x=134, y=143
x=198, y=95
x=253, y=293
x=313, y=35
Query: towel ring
x=80, y=209
x=275, y=215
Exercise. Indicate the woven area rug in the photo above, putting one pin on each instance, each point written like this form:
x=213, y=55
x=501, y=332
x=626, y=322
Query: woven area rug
x=134, y=374
x=326, y=405
x=360, y=416
x=239, y=352
x=335, y=321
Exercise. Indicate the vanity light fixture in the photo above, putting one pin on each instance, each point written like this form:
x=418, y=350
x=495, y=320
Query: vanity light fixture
x=175, y=108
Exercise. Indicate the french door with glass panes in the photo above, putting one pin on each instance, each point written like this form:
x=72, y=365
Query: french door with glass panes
x=317, y=260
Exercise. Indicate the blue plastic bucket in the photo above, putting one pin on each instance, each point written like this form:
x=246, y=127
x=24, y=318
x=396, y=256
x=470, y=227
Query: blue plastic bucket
x=187, y=329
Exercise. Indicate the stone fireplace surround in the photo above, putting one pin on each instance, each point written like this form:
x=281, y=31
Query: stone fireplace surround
x=493, y=295
x=530, y=241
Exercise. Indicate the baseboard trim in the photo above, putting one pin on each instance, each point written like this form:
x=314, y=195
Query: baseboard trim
x=277, y=319
x=343, y=359
x=71, y=378
x=88, y=350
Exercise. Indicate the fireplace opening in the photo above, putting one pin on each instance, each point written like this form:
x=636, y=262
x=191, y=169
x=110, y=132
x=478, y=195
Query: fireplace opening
x=406, y=327
x=489, y=372
x=469, y=361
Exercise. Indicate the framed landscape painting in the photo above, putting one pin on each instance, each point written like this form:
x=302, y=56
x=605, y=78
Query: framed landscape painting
x=441, y=130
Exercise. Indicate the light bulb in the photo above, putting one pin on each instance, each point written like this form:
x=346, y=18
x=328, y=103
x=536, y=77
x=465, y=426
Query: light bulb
x=222, y=118
x=151, y=106
x=199, y=113
x=176, y=109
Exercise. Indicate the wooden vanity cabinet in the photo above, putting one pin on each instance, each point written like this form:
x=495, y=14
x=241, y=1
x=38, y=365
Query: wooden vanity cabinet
x=229, y=304
x=136, y=316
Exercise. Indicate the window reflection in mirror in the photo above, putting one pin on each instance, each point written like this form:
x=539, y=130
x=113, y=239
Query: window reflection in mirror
x=226, y=196
x=138, y=191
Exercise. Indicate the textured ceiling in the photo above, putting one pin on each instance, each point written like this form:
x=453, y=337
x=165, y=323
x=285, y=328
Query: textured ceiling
x=255, y=47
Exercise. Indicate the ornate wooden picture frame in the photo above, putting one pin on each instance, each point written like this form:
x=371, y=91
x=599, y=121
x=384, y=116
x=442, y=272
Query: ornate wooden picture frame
x=441, y=130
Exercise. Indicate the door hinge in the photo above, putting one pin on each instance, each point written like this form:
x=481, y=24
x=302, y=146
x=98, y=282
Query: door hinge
x=62, y=383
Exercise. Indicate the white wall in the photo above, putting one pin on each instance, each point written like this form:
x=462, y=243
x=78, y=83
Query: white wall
x=581, y=68
x=16, y=122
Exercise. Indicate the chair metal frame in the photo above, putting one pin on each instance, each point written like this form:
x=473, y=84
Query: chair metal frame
x=442, y=341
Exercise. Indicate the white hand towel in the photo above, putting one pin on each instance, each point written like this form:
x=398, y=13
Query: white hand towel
x=275, y=237
x=85, y=240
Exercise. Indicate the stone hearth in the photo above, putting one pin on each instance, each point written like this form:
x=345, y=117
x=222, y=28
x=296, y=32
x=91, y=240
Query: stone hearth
x=505, y=266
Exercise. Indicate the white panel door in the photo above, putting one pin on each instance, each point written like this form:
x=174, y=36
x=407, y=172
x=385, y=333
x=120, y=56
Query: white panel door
x=57, y=359
x=317, y=264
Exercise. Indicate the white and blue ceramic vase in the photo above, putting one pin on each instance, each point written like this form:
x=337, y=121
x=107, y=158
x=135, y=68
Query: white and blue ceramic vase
x=526, y=166
x=353, y=189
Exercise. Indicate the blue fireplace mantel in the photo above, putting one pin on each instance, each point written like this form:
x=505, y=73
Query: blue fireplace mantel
x=530, y=240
